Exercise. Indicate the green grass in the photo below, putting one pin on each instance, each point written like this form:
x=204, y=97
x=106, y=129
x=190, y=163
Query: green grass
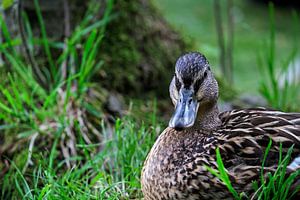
x=113, y=173
x=280, y=96
x=275, y=186
x=223, y=176
x=58, y=144
x=195, y=19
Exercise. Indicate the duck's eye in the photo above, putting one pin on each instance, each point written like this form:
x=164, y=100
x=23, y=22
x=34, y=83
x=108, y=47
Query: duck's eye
x=199, y=82
x=177, y=83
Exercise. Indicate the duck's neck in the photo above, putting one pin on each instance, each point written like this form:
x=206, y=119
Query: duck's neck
x=208, y=117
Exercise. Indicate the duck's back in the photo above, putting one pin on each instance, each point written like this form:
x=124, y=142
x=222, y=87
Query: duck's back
x=174, y=168
x=250, y=131
x=244, y=136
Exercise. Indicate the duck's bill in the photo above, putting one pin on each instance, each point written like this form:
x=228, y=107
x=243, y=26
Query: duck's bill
x=186, y=110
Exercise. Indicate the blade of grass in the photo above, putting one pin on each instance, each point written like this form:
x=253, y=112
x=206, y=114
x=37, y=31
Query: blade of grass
x=45, y=38
x=222, y=175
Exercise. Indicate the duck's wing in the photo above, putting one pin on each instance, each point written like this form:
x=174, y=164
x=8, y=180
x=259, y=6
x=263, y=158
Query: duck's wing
x=247, y=132
x=245, y=135
x=278, y=126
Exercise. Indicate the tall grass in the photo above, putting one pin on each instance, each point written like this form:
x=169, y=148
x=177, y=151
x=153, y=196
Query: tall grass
x=275, y=86
x=58, y=142
x=277, y=185
x=26, y=99
x=112, y=173
x=221, y=173
x=49, y=121
x=33, y=111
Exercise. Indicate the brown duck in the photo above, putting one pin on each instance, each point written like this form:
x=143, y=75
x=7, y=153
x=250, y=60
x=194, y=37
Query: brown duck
x=175, y=166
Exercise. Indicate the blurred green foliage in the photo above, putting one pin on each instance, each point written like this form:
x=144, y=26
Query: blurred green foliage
x=195, y=20
x=281, y=91
x=6, y=4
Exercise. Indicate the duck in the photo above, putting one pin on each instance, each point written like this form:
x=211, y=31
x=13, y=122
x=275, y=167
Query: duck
x=176, y=166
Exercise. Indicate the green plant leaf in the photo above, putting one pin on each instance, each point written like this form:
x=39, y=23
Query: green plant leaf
x=7, y=4
x=221, y=173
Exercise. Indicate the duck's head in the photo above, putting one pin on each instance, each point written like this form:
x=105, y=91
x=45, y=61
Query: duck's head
x=192, y=88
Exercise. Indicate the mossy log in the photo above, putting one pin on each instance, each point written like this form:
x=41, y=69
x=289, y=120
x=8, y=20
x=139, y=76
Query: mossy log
x=140, y=49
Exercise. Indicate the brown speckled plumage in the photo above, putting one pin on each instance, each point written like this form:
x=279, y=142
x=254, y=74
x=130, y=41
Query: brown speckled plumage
x=174, y=168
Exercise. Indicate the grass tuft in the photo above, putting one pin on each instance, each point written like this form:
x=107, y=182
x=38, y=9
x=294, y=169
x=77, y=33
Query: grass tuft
x=275, y=186
x=221, y=173
x=275, y=86
x=112, y=173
